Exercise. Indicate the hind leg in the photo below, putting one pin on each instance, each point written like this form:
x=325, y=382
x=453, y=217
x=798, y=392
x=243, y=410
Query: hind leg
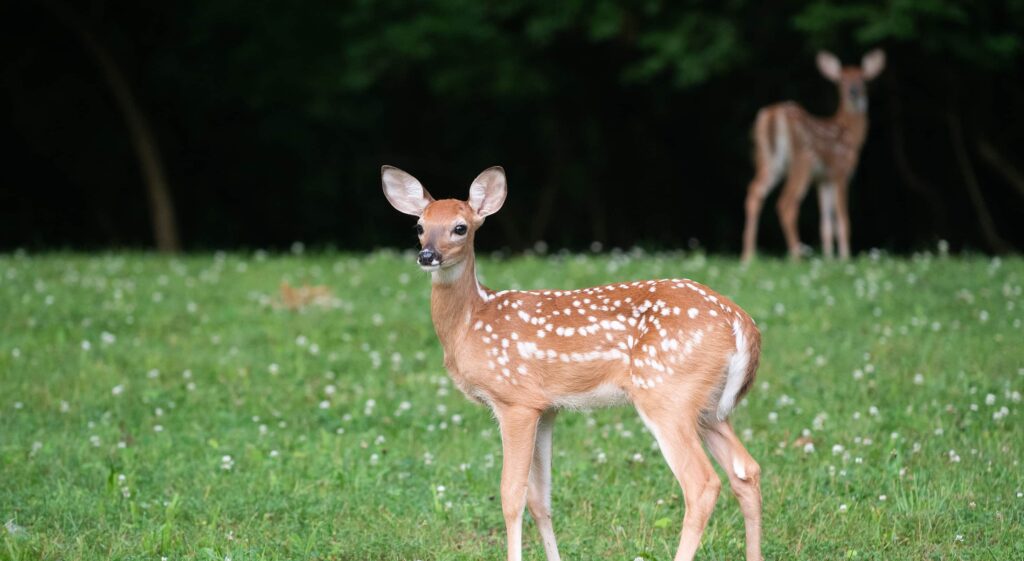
x=679, y=441
x=744, y=477
x=757, y=192
x=789, y=202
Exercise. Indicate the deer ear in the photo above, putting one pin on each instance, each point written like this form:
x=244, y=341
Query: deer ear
x=873, y=64
x=487, y=193
x=404, y=191
x=829, y=66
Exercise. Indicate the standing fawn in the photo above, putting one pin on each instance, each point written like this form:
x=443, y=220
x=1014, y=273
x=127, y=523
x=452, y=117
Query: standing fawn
x=787, y=140
x=682, y=354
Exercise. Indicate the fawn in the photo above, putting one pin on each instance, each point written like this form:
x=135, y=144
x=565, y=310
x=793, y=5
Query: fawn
x=682, y=354
x=788, y=140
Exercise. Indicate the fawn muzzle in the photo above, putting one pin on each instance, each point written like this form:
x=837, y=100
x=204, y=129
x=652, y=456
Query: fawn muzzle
x=429, y=257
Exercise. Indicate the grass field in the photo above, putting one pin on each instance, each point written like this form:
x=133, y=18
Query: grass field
x=154, y=407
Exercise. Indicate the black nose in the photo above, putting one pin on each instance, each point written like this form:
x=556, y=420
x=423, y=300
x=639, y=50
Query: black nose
x=429, y=257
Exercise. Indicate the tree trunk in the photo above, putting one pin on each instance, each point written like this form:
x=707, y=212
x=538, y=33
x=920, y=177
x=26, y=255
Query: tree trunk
x=988, y=228
x=910, y=177
x=161, y=206
x=994, y=158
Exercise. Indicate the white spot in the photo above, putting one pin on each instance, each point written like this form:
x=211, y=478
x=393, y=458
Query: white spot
x=692, y=312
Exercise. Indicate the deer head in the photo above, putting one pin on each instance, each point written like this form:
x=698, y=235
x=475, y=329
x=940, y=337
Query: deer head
x=446, y=227
x=852, y=80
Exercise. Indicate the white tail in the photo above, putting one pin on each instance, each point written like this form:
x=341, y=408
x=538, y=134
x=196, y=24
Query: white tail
x=789, y=141
x=679, y=352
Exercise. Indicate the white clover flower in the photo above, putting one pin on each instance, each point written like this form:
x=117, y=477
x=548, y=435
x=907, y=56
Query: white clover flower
x=809, y=448
x=638, y=458
x=117, y=390
x=918, y=379
x=990, y=399
x=843, y=507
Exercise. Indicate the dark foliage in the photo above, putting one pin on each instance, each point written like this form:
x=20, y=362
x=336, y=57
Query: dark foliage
x=619, y=122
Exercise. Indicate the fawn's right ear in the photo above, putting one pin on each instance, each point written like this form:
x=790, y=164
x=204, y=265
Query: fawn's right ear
x=829, y=66
x=404, y=191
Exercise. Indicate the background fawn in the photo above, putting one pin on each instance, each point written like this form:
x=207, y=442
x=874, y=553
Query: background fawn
x=789, y=141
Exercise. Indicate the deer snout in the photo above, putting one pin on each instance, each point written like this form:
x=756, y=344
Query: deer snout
x=429, y=257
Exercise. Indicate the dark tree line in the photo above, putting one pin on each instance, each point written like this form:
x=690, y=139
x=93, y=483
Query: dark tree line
x=241, y=124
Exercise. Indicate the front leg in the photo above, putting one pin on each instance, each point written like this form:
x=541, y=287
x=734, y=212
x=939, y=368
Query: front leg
x=843, y=218
x=538, y=498
x=518, y=434
x=827, y=211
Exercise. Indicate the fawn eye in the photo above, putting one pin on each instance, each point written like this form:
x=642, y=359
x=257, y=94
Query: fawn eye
x=460, y=230
x=419, y=229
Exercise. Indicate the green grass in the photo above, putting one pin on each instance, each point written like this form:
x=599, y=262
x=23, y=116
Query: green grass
x=127, y=380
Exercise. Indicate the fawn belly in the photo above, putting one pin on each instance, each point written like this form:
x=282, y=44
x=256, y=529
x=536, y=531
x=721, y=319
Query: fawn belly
x=604, y=395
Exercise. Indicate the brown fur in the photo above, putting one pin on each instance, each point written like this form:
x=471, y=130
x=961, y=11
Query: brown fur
x=667, y=346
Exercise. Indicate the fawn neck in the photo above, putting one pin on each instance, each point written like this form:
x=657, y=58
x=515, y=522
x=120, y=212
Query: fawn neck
x=455, y=297
x=849, y=116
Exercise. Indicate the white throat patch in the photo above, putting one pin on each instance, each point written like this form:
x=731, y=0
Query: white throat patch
x=448, y=275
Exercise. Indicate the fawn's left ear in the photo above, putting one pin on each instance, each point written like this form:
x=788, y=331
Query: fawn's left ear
x=404, y=191
x=872, y=64
x=487, y=193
